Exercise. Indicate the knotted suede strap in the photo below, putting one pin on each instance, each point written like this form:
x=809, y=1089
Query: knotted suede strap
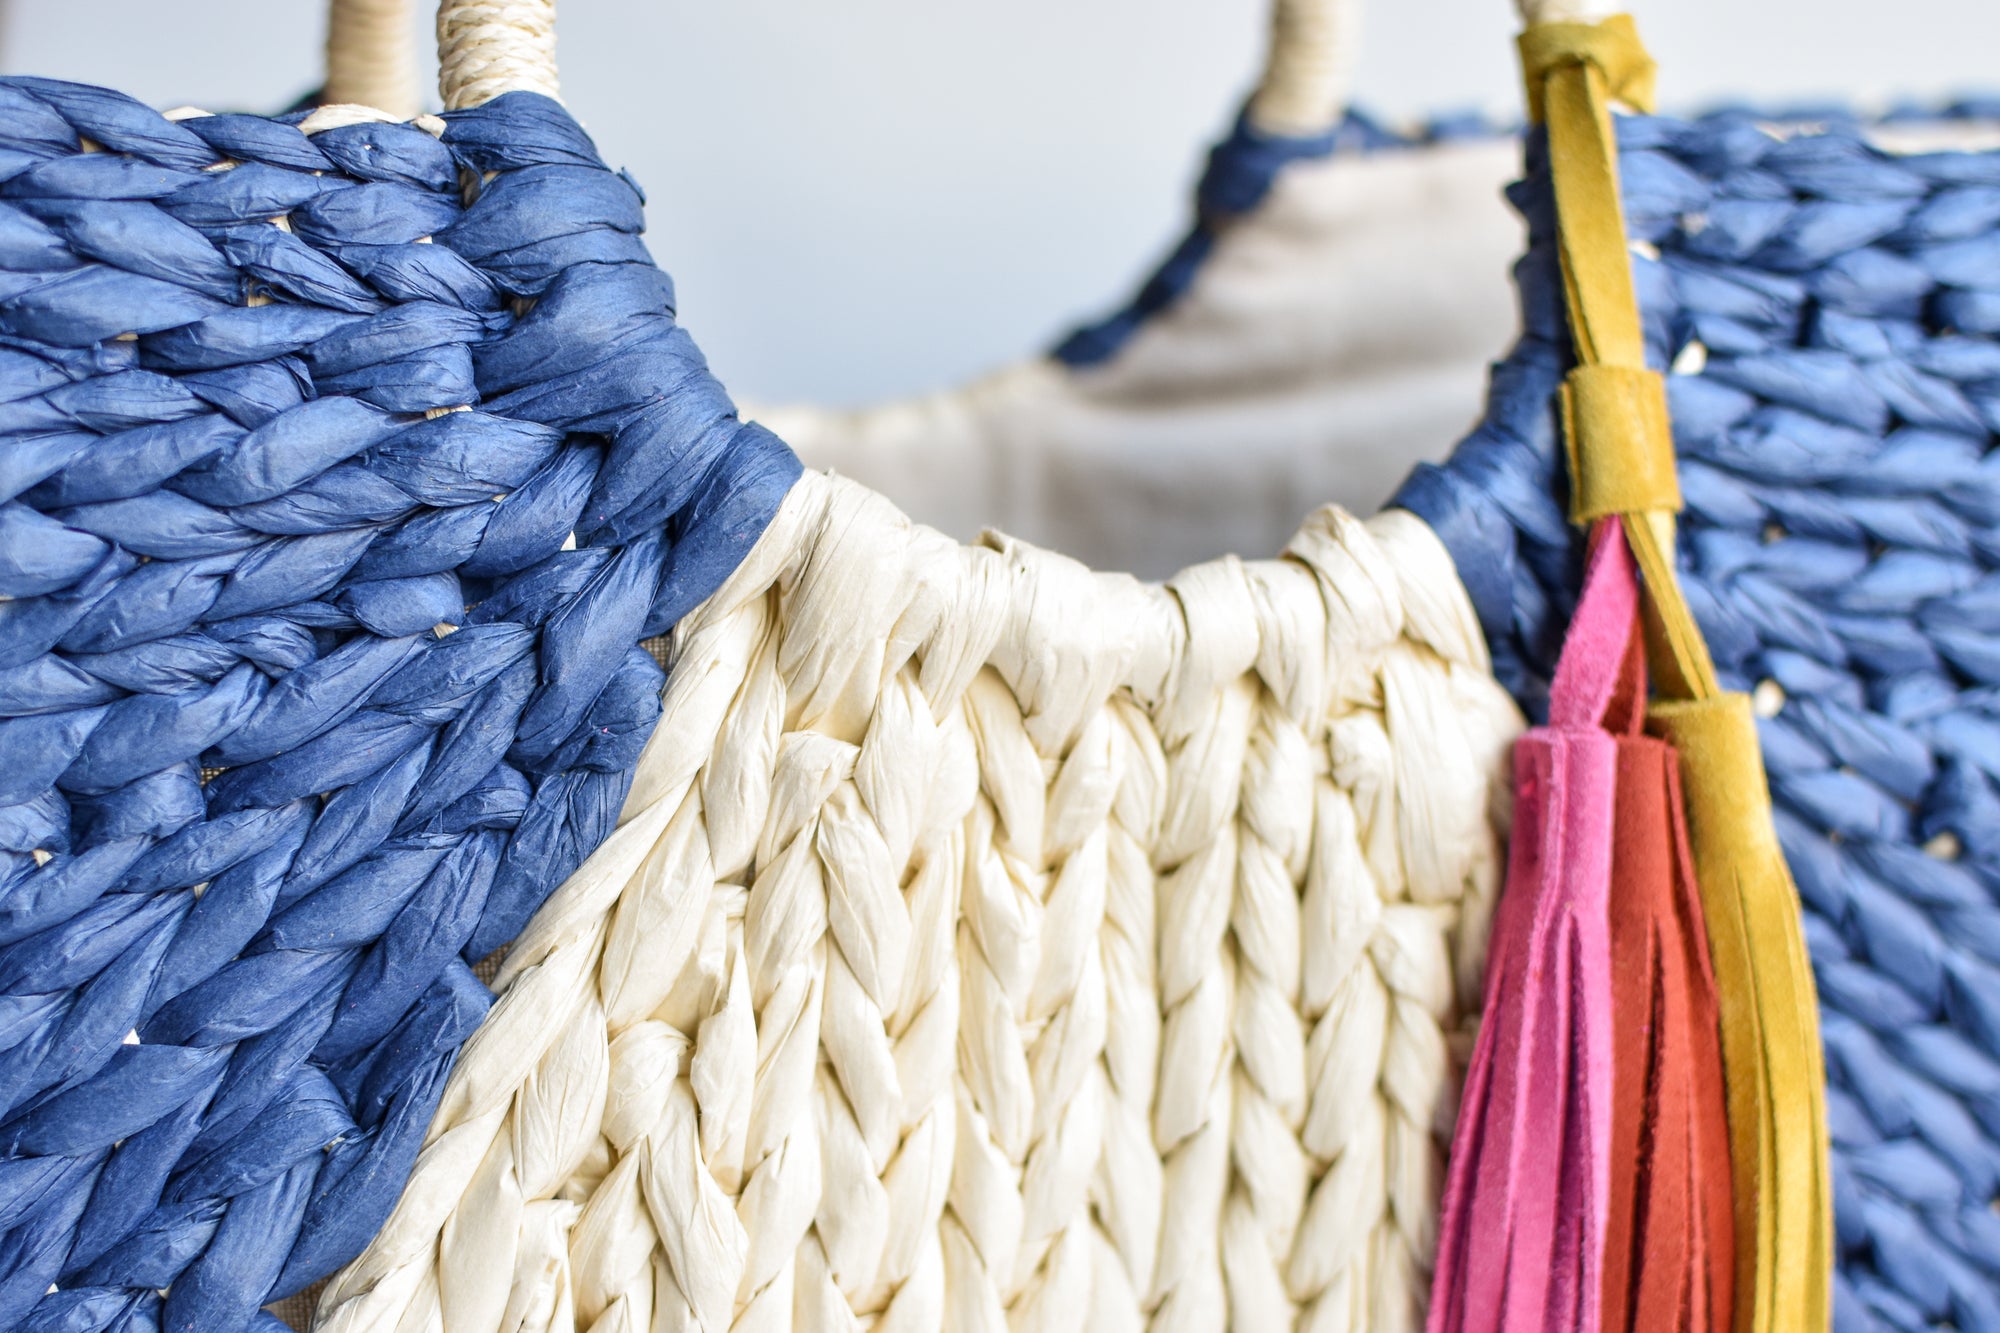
x=1621, y=462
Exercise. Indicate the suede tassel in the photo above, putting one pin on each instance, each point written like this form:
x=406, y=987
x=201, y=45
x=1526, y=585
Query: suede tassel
x=1621, y=462
x=1669, y=1242
x=1522, y=1239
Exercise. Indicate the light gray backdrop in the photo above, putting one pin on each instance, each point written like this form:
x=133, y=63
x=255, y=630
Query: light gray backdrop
x=867, y=197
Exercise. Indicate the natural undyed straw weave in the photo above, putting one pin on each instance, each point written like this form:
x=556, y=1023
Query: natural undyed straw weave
x=993, y=943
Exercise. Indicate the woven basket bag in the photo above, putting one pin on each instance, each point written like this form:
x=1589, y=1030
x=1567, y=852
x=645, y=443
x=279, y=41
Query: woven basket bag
x=1819, y=287
x=986, y=939
x=989, y=1177
x=1824, y=286
x=976, y=937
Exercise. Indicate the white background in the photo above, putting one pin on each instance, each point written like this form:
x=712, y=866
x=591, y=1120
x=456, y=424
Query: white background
x=866, y=197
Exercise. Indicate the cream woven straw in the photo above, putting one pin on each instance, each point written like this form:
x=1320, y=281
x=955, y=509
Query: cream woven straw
x=987, y=942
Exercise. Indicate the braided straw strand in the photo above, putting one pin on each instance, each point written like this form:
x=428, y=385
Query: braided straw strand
x=490, y=47
x=990, y=943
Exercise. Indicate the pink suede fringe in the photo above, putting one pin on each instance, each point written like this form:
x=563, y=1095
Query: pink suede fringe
x=1521, y=1245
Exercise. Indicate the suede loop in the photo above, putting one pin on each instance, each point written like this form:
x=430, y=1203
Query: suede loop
x=1719, y=736
x=1630, y=469
x=1612, y=48
x=1617, y=435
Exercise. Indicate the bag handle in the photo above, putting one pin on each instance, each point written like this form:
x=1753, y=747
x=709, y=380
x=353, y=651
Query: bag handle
x=1622, y=464
x=1308, y=67
x=489, y=47
x=369, y=60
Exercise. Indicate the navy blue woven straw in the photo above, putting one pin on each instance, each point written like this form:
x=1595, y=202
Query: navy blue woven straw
x=310, y=691
x=1840, y=545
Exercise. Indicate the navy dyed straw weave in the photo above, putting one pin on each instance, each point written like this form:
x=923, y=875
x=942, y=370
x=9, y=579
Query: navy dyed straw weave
x=310, y=691
x=1840, y=545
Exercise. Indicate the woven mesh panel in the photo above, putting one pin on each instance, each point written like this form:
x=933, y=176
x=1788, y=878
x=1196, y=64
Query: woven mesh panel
x=297, y=1310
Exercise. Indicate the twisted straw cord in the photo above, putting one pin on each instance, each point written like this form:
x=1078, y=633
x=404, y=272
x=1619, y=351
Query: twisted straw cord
x=1204, y=726
x=1035, y=1012
x=1271, y=1173
x=490, y=47
x=369, y=59
x=985, y=940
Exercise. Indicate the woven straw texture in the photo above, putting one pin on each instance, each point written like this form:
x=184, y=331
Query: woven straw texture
x=1830, y=311
x=333, y=510
x=988, y=943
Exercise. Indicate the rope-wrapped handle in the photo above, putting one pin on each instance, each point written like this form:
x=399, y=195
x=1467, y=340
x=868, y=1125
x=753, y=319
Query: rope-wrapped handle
x=485, y=48
x=490, y=47
x=369, y=59
x=1309, y=70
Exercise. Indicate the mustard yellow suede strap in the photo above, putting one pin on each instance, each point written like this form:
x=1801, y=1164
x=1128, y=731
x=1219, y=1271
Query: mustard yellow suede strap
x=1612, y=48
x=1772, y=1063
x=1621, y=462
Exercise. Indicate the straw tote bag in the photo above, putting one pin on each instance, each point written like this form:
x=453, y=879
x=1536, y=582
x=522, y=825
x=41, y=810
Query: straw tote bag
x=1819, y=286
x=667, y=1213
x=979, y=937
